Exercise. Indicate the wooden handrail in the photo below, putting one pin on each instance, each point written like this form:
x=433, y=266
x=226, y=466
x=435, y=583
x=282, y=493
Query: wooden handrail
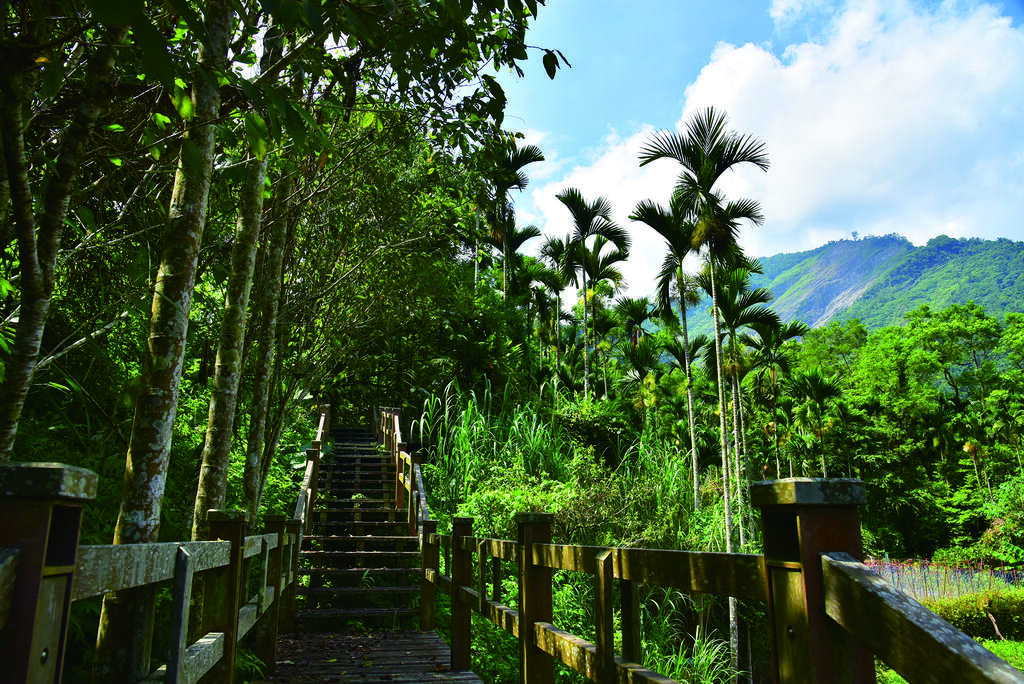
x=41, y=515
x=906, y=636
x=797, y=515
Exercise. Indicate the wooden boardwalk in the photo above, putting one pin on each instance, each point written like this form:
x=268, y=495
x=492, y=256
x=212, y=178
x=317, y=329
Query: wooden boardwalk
x=385, y=656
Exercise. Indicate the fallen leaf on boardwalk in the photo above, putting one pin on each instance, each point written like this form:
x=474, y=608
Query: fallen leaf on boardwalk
x=331, y=660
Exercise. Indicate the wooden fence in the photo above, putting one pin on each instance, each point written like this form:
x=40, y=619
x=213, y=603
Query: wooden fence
x=249, y=580
x=828, y=614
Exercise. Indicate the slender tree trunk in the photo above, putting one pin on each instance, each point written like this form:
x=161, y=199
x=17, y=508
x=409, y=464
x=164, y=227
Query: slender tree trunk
x=586, y=343
x=740, y=510
x=267, y=303
x=213, y=475
x=734, y=633
x=689, y=396
x=127, y=617
x=746, y=463
x=39, y=236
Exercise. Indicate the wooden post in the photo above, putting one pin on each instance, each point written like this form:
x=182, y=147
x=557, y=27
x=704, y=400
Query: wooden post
x=535, y=665
x=631, y=637
x=265, y=647
x=313, y=454
x=429, y=557
x=800, y=519
x=462, y=576
x=414, y=493
x=604, y=618
x=399, y=477
x=292, y=528
x=40, y=516
x=224, y=595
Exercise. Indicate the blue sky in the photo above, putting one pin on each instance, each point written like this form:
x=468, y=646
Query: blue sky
x=897, y=116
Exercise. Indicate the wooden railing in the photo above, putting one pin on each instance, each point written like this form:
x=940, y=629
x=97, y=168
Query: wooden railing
x=828, y=614
x=249, y=580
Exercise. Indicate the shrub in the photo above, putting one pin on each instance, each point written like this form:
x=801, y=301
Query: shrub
x=970, y=613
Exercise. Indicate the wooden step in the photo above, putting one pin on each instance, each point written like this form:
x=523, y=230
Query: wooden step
x=370, y=592
x=360, y=543
x=337, y=619
x=352, y=577
x=365, y=559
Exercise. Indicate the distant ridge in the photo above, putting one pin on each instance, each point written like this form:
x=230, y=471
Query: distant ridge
x=878, y=279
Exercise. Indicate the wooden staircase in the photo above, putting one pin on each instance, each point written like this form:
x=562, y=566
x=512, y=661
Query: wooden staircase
x=359, y=567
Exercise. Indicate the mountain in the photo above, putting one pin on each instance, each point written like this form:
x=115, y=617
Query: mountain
x=879, y=279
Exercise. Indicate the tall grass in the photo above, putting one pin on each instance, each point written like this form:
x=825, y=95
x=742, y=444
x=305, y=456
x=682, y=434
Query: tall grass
x=471, y=440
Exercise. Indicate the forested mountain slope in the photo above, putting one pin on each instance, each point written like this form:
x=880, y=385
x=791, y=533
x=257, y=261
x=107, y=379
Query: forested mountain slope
x=879, y=279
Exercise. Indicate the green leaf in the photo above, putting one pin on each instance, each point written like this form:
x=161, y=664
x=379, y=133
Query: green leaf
x=182, y=102
x=312, y=17
x=550, y=63
x=191, y=158
x=53, y=78
x=257, y=135
x=155, y=60
x=115, y=12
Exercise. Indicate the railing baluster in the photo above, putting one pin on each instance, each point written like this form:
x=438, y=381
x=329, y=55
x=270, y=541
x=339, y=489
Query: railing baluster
x=631, y=638
x=462, y=576
x=428, y=554
x=265, y=647
x=535, y=665
x=183, y=574
x=604, y=583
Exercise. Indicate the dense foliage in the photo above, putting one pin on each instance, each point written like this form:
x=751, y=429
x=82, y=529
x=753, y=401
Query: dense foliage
x=214, y=218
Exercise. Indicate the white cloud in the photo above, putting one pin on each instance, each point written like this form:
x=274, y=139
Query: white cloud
x=898, y=119
x=614, y=173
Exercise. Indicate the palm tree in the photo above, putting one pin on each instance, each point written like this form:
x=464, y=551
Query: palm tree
x=739, y=306
x=674, y=226
x=509, y=241
x=599, y=267
x=819, y=390
x=509, y=176
x=634, y=312
x=590, y=220
x=771, y=360
x=554, y=250
x=706, y=150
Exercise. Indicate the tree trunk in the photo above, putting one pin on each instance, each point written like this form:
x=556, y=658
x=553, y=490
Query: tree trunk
x=734, y=628
x=213, y=476
x=127, y=618
x=39, y=237
x=689, y=398
x=740, y=511
x=586, y=343
x=267, y=304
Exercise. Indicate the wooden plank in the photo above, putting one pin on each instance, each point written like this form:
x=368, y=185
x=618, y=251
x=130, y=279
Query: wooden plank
x=8, y=573
x=120, y=566
x=199, y=658
x=578, y=654
x=502, y=616
x=246, y=619
x=909, y=638
x=581, y=656
x=393, y=656
x=253, y=543
x=727, y=574
x=499, y=548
